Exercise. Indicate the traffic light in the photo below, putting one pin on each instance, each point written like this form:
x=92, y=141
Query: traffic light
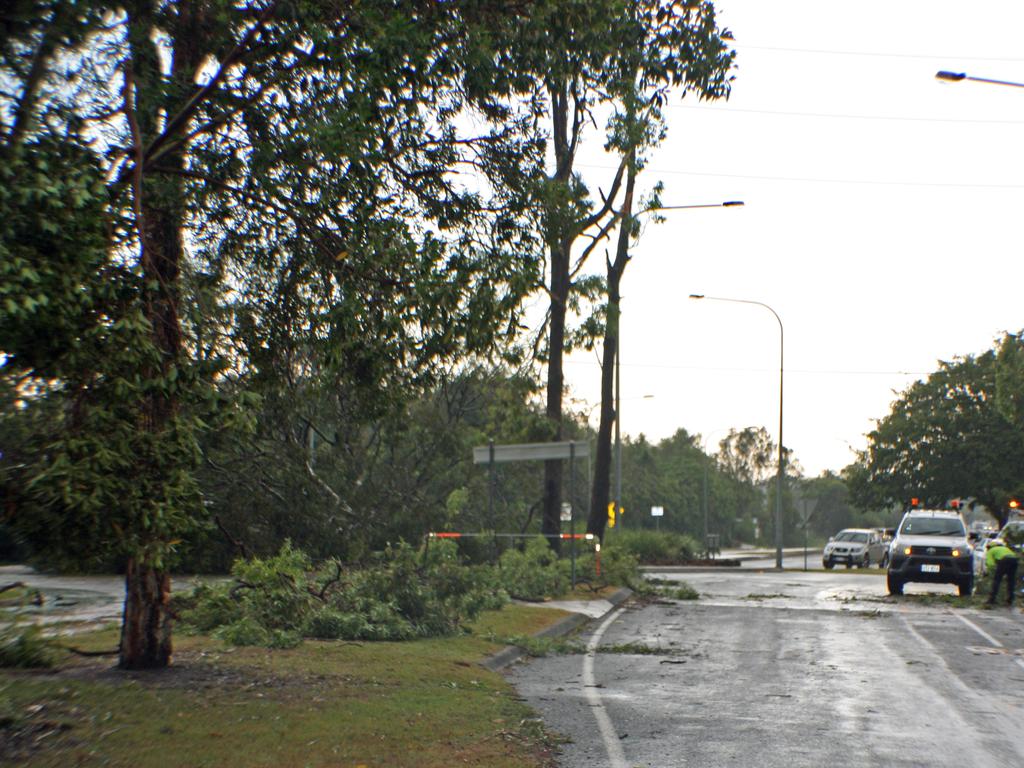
x=1014, y=504
x=611, y=514
x=915, y=502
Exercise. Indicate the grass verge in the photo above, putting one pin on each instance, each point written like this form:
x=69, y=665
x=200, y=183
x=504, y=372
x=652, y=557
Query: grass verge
x=423, y=703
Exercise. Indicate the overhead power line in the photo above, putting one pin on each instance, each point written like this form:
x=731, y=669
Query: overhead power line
x=840, y=116
x=816, y=180
x=879, y=54
x=811, y=371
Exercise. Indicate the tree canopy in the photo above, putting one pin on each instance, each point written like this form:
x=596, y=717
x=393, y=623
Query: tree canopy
x=945, y=438
x=295, y=197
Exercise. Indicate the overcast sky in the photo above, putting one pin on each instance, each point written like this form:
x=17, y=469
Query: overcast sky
x=882, y=222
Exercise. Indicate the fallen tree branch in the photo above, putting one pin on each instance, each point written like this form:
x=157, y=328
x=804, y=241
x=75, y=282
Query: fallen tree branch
x=322, y=593
x=80, y=652
x=236, y=543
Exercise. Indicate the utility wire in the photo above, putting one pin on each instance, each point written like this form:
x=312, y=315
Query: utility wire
x=729, y=109
x=878, y=54
x=825, y=372
x=816, y=180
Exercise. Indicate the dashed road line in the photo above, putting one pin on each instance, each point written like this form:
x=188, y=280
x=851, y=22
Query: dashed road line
x=979, y=630
x=1018, y=661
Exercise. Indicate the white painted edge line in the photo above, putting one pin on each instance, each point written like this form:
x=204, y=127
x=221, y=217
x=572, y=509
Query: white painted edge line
x=612, y=744
x=1016, y=659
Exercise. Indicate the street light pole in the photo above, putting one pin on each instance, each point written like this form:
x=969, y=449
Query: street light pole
x=780, y=473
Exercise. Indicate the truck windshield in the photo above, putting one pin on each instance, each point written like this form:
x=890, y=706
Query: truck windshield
x=858, y=536
x=932, y=526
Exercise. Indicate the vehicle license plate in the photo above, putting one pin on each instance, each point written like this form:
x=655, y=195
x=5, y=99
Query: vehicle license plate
x=929, y=568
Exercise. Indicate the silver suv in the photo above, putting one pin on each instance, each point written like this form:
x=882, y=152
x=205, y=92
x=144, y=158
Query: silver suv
x=854, y=546
x=931, y=546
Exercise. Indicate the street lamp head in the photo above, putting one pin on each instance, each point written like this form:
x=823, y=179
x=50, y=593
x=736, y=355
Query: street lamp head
x=726, y=204
x=696, y=295
x=956, y=77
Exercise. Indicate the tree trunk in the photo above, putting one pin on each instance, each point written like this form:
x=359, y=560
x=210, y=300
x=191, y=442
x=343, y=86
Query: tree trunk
x=600, y=494
x=551, y=524
x=560, y=249
x=159, y=206
x=146, y=624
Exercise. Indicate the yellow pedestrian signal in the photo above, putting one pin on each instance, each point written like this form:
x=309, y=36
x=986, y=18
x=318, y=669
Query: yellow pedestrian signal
x=611, y=514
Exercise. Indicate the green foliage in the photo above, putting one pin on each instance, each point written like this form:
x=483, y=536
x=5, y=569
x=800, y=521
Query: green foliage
x=25, y=647
x=272, y=591
x=653, y=547
x=619, y=567
x=403, y=595
x=944, y=438
x=533, y=573
x=539, y=647
x=207, y=606
x=672, y=474
x=53, y=213
x=684, y=592
x=93, y=485
x=1010, y=377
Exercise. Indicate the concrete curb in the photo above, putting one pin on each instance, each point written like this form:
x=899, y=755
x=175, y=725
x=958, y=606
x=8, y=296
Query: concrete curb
x=512, y=653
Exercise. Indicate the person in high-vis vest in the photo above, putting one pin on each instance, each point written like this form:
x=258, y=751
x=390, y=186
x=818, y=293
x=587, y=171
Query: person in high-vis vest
x=1001, y=562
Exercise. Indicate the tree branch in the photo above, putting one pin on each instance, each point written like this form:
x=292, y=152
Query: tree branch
x=175, y=123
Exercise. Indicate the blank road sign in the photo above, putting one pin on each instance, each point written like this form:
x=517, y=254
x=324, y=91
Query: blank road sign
x=531, y=452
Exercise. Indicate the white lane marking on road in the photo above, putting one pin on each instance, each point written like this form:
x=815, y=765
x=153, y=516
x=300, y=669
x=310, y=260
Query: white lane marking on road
x=979, y=630
x=1016, y=660
x=612, y=745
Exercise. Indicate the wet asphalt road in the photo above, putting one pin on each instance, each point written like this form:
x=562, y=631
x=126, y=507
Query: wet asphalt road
x=788, y=669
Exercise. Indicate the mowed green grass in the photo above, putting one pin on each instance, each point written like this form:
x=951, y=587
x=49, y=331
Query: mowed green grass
x=424, y=703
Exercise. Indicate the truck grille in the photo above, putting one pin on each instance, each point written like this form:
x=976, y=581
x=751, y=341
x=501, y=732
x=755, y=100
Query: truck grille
x=932, y=551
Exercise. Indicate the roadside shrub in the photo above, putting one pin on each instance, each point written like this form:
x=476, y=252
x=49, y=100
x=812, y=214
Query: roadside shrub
x=534, y=573
x=273, y=591
x=24, y=647
x=329, y=624
x=402, y=595
x=653, y=547
x=244, y=631
x=206, y=607
x=619, y=567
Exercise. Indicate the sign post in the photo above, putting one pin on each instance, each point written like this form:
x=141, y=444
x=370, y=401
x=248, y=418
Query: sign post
x=491, y=453
x=657, y=513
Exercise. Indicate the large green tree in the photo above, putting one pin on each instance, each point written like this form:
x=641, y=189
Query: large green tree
x=944, y=438
x=297, y=166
